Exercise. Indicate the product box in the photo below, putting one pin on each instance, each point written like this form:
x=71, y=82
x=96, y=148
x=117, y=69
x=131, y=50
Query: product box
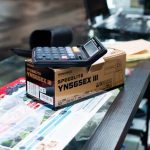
x=59, y=87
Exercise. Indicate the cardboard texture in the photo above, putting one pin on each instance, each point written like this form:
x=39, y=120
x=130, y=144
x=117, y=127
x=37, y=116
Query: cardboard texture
x=59, y=87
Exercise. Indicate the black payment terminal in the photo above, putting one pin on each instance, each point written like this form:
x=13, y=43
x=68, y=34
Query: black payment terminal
x=63, y=57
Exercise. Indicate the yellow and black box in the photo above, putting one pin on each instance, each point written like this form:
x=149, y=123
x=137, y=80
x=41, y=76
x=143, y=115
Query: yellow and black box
x=59, y=87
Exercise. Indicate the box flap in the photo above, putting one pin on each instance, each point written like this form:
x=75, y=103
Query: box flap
x=111, y=53
x=96, y=65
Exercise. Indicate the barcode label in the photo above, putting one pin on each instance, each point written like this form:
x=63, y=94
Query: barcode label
x=33, y=89
x=46, y=98
x=43, y=90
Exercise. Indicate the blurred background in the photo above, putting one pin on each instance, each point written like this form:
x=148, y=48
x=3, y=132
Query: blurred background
x=18, y=18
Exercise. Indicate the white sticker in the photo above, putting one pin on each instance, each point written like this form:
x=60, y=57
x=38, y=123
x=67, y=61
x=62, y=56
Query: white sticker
x=46, y=98
x=33, y=89
x=42, y=90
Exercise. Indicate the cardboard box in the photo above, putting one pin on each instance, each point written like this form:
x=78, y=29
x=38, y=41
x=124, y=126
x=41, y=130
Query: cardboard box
x=59, y=87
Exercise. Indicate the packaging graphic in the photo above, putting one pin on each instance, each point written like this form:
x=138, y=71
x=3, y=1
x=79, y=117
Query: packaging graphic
x=59, y=87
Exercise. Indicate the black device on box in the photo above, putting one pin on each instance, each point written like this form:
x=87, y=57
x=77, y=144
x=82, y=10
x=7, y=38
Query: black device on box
x=63, y=57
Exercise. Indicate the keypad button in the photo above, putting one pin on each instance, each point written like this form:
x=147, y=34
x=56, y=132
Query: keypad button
x=43, y=55
x=64, y=57
x=56, y=56
x=46, y=50
x=71, y=57
x=48, y=57
x=75, y=49
x=69, y=50
x=62, y=51
x=38, y=53
x=39, y=49
x=39, y=57
x=54, y=51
